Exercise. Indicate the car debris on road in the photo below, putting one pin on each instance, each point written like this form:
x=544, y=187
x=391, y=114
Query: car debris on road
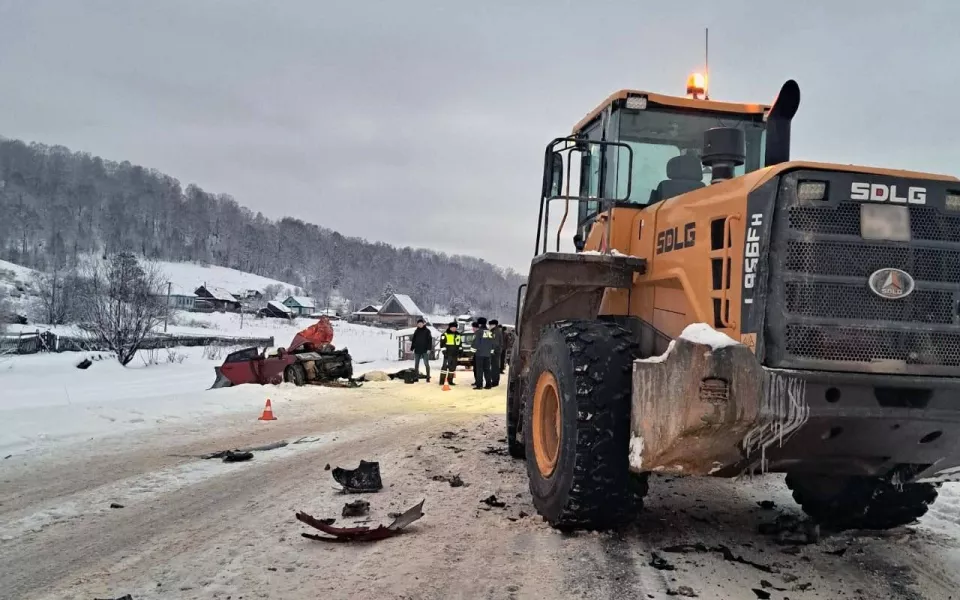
x=363, y=479
x=491, y=500
x=357, y=508
x=454, y=481
x=360, y=534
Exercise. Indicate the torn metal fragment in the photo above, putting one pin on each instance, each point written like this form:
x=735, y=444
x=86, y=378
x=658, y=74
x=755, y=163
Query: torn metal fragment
x=360, y=534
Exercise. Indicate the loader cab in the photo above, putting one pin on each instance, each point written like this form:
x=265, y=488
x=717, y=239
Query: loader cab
x=665, y=136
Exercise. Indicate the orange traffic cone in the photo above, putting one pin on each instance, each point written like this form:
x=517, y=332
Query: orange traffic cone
x=267, y=413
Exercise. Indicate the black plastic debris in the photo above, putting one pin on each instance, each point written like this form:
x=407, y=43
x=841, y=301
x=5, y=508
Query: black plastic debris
x=327, y=468
x=115, y=505
x=234, y=456
x=357, y=508
x=127, y=597
x=491, y=500
x=761, y=594
x=363, y=479
x=84, y=364
x=454, y=481
x=495, y=451
x=660, y=563
x=448, y=435
x=724, y=550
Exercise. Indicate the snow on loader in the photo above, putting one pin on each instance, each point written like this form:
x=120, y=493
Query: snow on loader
x=311, y=358
x=738, y=313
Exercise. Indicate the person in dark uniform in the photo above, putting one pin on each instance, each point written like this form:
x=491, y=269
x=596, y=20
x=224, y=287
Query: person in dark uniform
x=496, y=357
x=450, y=343
x=421, y=342
x=483, y=344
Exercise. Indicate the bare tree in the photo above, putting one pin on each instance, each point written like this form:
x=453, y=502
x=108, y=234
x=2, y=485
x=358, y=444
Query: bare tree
x=54, y=295
x=5, y=313
x=125, y=304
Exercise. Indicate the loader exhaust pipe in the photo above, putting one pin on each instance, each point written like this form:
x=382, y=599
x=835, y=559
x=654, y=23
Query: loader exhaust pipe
x=778, y=124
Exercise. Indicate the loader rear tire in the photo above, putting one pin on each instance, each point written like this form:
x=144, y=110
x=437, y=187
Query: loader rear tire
x=849, y=502
x=576, y=426
x=295, y=374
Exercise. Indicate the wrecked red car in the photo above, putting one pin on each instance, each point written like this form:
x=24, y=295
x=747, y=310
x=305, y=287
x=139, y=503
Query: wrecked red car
x=311, y=358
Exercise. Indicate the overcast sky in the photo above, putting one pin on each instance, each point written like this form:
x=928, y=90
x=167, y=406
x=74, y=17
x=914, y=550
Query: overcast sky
x=422, y=122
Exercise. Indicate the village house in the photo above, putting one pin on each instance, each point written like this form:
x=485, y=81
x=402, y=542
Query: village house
x=276, y=310
x=217, y=298
x=367, y=314
x=399, y=310
x=177, y=297
x=300, y=305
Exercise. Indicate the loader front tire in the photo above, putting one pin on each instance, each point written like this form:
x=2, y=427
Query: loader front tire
x=576, y=426
x=853, y=502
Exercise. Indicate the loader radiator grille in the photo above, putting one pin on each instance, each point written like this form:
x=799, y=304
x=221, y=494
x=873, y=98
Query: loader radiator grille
x=926, y=223
x=821, y=312
x=839, y=301
x=873, y=345
x=859, y=259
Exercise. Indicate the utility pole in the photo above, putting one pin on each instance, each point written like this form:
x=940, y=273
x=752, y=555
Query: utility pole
x=166, y=313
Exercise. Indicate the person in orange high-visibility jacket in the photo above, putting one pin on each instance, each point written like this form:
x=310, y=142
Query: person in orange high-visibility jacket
x=450, y=343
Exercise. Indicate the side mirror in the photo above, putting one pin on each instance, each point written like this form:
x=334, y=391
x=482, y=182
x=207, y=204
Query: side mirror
x=553, y=181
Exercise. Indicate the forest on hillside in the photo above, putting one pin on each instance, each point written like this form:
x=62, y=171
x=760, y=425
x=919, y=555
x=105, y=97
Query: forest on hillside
x=58, y=205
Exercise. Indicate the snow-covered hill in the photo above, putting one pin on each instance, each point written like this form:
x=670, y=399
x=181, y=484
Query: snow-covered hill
x=189, y=276
x=17, y=285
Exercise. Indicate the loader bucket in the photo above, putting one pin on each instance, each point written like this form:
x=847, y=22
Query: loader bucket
x=221, y=380
x=699, y=410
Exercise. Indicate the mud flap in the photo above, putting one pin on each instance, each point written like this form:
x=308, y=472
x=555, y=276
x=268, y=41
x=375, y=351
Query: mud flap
x=699, y=410
x=221, y=381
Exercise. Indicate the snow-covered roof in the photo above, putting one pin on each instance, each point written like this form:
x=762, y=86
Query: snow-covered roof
x=221, y=294
x=439, y=318
x=370, y=309
x=302, y=301
x=406, y=303
x=175, y=290
x=278, y=306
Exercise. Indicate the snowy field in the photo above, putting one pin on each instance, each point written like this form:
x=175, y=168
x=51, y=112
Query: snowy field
x=45, y=400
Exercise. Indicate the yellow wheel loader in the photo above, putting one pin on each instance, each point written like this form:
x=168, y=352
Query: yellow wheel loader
x=727, y=310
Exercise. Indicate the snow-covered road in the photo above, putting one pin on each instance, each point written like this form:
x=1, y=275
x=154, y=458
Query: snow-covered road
x=191, y=528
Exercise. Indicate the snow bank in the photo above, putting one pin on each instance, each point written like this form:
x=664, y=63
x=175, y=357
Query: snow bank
x=45, y=399
x=701, y=333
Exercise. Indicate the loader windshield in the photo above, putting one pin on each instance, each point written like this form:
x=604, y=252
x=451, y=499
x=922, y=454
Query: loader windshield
x=660, y=134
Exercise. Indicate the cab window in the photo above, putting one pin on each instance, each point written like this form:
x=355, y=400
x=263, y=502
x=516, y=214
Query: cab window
x=657, y=135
